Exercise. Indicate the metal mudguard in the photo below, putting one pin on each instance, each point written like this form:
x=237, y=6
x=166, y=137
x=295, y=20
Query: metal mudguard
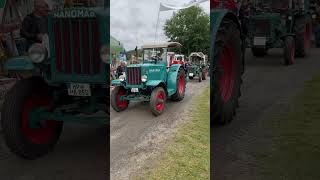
x=172, y=79
x=21, y=63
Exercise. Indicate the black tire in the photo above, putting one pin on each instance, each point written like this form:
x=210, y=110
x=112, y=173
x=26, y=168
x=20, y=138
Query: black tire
x=222, y=109
x=190, y=77
x=301, y=25
x=258, y=52
x=179, y=96
x=115, y=99
x=154, y=100
x=17, y=138
x=289, y=50
x=204, y=75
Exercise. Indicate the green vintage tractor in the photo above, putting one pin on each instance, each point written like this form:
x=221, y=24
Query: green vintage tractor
x=154, y=81
x=197, y=66
x=69, y=81
x=280, y=24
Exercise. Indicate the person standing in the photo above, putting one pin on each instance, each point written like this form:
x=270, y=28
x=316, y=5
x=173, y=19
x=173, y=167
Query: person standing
x=35, y=25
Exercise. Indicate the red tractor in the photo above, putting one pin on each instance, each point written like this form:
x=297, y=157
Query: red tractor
x=226, y=59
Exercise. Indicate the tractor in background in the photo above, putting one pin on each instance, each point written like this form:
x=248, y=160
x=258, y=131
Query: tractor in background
x=155, y=80
x=280, y=24
x=197, y=66
x=226, y=60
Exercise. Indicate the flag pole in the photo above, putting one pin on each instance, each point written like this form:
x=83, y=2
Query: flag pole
x=155, y=35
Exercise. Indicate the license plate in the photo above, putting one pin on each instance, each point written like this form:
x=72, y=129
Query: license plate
x=77, y=89
x=135, y=90
x=259, y=41
x=190, y=74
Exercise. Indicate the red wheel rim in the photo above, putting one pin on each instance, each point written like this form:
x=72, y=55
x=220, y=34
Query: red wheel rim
x=123, y=103
x=45, y=131
x=227, y=80
x=181, y=84
x=160, y=101
x=307, y=34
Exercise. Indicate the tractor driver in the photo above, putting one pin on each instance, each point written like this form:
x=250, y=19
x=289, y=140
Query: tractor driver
x=35, y=25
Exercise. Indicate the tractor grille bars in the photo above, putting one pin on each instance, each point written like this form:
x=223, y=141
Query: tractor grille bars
x=262, y=28
x=76, y=45
x=134, y=75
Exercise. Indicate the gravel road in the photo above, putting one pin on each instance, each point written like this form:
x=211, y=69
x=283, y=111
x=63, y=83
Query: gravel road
x=136, y=135
x=267, y=85
x=80, y=155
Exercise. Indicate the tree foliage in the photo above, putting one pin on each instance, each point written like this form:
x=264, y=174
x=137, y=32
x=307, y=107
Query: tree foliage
x=190, y=27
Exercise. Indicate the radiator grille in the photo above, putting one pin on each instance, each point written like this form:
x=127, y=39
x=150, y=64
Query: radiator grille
x=76, y=45
x=134, y=75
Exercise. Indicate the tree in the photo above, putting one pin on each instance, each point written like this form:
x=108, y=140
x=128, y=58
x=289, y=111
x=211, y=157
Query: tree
x=190, y=27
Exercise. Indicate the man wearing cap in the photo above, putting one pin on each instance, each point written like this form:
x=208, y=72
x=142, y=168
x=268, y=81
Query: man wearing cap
x=35, y=25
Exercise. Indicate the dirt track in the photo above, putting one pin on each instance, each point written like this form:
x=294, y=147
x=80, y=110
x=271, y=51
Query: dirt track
x=267, y=85
x=136, y=135
x=80, y=155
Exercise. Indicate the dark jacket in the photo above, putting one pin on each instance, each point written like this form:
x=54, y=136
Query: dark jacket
x=120, y=70
x=33, y=25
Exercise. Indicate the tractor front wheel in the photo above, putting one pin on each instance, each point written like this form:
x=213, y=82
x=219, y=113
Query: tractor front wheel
x=22, y=139
x=117, y=103
x=289, y=50
x=200, y=77
x=302, y=29
x=181, y=86
x=204, y=75
x=157, y=101
x=227, y=74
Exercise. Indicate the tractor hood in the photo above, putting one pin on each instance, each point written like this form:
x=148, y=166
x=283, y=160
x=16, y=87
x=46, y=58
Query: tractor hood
x=143, y=73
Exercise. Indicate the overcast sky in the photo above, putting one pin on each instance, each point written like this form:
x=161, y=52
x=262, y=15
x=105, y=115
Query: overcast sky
x=133, y=22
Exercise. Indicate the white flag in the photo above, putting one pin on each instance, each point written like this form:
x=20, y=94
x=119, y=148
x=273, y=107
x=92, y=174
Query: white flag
x=168, y=7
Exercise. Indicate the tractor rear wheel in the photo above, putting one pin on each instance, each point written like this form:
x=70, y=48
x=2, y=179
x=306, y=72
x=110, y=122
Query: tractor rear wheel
x=25, y=141
x=204, y=75
x=302, y=29
x=289, y=50
x=158, y=101
x=258, y=52
x=181, y=86
x=116, y=102
x=227, y=72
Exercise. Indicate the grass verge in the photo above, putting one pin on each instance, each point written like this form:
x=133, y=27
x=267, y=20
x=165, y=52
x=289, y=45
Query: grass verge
x=295, y=135
x=187, y=156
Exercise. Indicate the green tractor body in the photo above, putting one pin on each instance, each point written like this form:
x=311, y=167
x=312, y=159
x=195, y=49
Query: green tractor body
x=198, y=66
x=68, y=81
x=279, y=24
x=155, y=80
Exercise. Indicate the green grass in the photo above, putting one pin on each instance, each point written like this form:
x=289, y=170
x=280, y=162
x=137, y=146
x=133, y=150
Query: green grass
x=187, y=156
x=295, y=137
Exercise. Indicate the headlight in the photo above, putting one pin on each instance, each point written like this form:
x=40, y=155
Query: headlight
x=37, y=53
x=104, y=54
x=144, y=78
x=290, y=17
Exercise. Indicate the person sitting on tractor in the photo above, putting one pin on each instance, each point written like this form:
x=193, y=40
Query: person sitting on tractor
x=35, y=25
x=121, y=69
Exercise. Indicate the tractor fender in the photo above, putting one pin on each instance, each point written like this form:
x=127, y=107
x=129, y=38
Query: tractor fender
x=288, y=34
x=154, y=83
x=22, y=63
x=216, y=16
x=116, y=82
x=172, y=79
